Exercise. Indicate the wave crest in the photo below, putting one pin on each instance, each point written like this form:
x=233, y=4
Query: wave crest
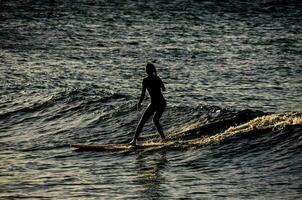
x=269, y=123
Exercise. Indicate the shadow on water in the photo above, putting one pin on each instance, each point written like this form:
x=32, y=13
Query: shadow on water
x=149, y=174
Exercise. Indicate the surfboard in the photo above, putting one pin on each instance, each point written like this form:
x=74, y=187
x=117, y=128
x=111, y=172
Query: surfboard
x=114, y=147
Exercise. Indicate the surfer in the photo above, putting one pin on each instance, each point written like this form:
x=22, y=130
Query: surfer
x=154, y=85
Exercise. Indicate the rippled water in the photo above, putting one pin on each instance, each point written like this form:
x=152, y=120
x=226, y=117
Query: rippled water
x=71, y=71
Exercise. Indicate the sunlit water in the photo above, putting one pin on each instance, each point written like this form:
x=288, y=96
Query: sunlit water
x=71, y=72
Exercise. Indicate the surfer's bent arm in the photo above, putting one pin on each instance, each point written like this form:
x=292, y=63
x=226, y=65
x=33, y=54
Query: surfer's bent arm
x=142, y=95
x=162, y=85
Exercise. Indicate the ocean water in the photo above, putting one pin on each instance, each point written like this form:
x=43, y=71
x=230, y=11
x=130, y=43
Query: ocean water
x=71, y=72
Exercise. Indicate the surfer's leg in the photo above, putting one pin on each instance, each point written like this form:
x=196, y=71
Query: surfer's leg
x=147, y=114
x=156, y=118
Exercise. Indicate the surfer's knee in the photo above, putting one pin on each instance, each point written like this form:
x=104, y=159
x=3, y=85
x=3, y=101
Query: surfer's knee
x=156, y=121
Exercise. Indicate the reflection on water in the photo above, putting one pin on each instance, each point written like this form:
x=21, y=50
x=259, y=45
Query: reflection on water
x=150, y=174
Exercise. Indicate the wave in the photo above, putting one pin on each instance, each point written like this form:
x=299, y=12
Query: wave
x=95, y=116
x=57, y=113
x=268, y=123
x=264, y=128
x=43, y=101
x=215, y=124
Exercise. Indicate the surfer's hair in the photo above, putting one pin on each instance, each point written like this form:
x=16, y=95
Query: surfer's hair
x=150, y=69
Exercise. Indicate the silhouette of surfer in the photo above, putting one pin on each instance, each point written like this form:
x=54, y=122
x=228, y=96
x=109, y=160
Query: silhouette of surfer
x=154, y=85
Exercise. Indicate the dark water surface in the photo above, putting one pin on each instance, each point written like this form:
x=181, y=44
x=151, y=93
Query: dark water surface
x=71, y=72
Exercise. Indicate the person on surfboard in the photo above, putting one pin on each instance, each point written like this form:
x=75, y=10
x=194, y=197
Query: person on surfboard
x=154, y=85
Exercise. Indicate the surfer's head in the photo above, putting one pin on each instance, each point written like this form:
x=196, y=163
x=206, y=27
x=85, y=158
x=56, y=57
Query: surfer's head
x=150, y=69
